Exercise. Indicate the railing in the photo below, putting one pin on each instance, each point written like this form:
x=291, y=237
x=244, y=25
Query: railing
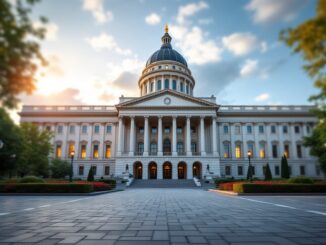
x=255, y=108
x=181, y=153
x=68, y=108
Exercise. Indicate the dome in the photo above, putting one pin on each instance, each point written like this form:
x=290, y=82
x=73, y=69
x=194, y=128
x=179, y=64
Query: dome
x=166, y=52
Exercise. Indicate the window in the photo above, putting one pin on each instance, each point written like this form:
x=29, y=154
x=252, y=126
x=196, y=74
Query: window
x=227, y=170
x=108, y=129
x=317, y=169
x=95, y=151
x=193, y=130
x=249, y=129
x=106, y=170
x=81, y=170
x=167, y=146
x=297, y=129
x=158, y=85
x=237, y=129
x=181, y=87
x=187, y=89
x=140, y=148
x=277, y=170
x=58, y=151
x=84, y=129
x=286, y=150
x=94, y=168
x=166, y=83
x=285, y=129
x=83, y=151
x=180, y=147
x=145, y=87
x=60, y=129
x=71, y=148
x=153, y=148
x=308, y=129
x=174, y=85
x=159, y=67
x=250, y=146
x=238, y=151
x=166, y=130
x=299, y=151
x=96, y=129
x=302, y=170
x=179, y=130
x=226, y=147
x=173, y=67
x=225, y=129
x=261, y=129
x=107, y=151
x=274, y=151
x=151, y=87
x=193, y=147
x=262, y=153
x=273, y=129
x=154, y=130
x=141, y=130
x=71, y=129
x=240, y=170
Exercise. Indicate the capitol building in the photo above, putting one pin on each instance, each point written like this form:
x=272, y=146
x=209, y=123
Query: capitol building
x=168, y=133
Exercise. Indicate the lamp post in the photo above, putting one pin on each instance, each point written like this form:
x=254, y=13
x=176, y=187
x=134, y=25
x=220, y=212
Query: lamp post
x=72, y=154
x=250, y=170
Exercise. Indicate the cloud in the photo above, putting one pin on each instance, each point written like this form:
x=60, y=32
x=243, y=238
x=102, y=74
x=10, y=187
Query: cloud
x=127, y=81
x=189, y=10
x=268, y=11
x=97, y=9
x=105, y=41
x=262, y=97
x=249, y=68
x=205, y=21
x=50, y=27
x=54, y=67
x=242, y=43
x=153, y=19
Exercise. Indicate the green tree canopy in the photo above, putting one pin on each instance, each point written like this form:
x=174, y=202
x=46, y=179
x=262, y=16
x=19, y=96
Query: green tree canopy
x=59, y=168
x=19, y=50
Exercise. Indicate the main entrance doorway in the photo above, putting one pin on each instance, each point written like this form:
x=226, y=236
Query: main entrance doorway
x=196, y=170
x=138, y=170
x=182, y=170
x=152, y=170
x=167, y=170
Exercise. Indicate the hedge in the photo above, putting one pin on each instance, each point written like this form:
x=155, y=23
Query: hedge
x=278, y=188
x=111, y=182
x=46, y=188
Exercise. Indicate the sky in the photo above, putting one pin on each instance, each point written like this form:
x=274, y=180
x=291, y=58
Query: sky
x=97, y=49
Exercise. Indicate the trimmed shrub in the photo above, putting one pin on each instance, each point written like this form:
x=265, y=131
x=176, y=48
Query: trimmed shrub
x=300, y=180
x=285, y=173
x=46, y=188
x=267, y=172
x=90, y=176
x=60, y=168
x=31, y=179
x=111, y=182
x=278, y=188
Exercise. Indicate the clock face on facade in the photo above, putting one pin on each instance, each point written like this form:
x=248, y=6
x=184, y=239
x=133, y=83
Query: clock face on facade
x=167, y=101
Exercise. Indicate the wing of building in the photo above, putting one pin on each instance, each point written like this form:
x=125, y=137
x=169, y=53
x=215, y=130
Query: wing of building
x=168, y=133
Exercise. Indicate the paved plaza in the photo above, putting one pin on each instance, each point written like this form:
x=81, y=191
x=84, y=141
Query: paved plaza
x=163, y=216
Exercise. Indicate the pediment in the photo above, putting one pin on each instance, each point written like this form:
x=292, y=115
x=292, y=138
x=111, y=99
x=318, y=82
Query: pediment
x=167, y=98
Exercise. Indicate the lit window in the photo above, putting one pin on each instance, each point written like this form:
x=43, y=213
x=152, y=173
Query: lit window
x=249, y=129
x=71, y=148
x=71, y=129
x=287, y=150
x=108, y=129
x=226, y=147
x=238, y=151
x=261, y=129
x=58, y=151
x=237, y=129
x=107, y=151
x=262, y=153
x=97, y=129
x=84, y=129
x=174, y=85
x=106, y=170
x=60, y=129
x=166, y=83
x=83, y=151
x=225, y=129
x=81, y=170
x=250, y=146
x=95, y=151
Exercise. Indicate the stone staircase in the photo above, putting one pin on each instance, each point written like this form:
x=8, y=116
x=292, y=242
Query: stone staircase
x=163, y=183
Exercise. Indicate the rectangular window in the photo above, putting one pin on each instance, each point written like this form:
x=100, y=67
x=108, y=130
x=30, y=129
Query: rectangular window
x=95, y=151
x=261, y=129
x=158, y=85
x=179, y=130
x=193, y=130
x=58, y=151
x=154, y=130
x=277, y=170
x=151, y=87
x=249, y=129
x=240, y=170
x=285, y=129
x=225, y=129
x=96, y=129
x=302, y=170
x=166, y=130
x=181, y=87
x=141, y=130
x=193, y=147
x=187, y=89
x=166, y=83
x=107, y=151
x=238, y=151
x=174, y=85
x=83, y=151
x=94, y=169
x=84, y=129
x=106, y=170
x=237, y=129
x=287, y=150
x=227, y=170
x=81, y=170
x=273, y=129
x=274, y=151
x=318, y=170
x=299, y=151
x=262, y=153
x=308, y=129
x=71, y=149
x=226, y=147
x=297, y=129
x=251, y=148
x=60, y=129
x=71, y=129
x=108, y=129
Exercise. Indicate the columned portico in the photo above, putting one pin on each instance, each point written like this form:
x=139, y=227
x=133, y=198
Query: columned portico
x=132, y=136
x=188, y=137
x=202, y=137
x=145, y=136
x=174, y=136
x=159, y=137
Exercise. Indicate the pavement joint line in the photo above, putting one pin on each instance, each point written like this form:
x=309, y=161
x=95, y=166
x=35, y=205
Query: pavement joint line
x=284, y=206
x=1, y=214
x=28, y=209
x=315, y=212
x=44, y=206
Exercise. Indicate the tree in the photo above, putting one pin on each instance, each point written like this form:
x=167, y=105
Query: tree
x=285, y=173
x=267, y=172
x=59, y=168
x=308, y=39
x=36, y=151
x=90, y=176
x=19, y=50
x=12, y=148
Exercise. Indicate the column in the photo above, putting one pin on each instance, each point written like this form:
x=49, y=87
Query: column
x=202, y=136
x=188, y=138
x=146, y=137
x=214, y=143
x=159, y=137
x=174, y=136
x=305, y=150
x=132, y=136
x=120, y=139
x=280, y=149
x=268, y=147
x=293, y=154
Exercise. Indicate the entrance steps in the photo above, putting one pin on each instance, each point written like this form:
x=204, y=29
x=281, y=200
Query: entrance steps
x=163, y=183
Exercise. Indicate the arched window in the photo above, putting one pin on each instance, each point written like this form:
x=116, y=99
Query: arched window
x=166, y=83
x=158, y=85
x=174, y=85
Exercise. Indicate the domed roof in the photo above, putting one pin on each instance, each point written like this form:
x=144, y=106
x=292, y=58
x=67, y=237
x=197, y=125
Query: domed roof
x=166, y=52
